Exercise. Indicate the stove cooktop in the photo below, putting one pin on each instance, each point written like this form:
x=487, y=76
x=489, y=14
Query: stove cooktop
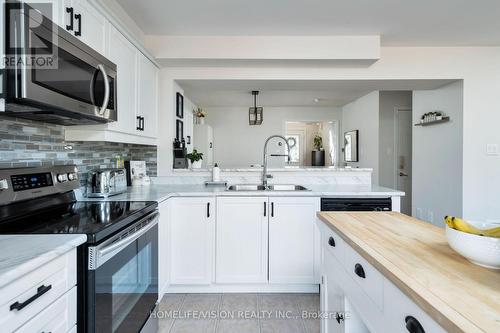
x=96, y=219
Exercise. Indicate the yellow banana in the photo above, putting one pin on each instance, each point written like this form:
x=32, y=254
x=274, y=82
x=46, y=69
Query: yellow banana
x=461, y=225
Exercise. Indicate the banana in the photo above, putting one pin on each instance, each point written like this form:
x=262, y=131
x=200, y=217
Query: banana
x=461, y=225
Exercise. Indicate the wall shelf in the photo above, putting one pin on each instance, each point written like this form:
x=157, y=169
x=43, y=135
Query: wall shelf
x=443, y=120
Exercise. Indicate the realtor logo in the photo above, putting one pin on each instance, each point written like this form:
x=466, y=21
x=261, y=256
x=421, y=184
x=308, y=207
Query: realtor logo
x=30, y=41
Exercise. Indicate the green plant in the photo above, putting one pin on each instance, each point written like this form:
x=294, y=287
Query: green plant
x=318, y=142
x=194, y=156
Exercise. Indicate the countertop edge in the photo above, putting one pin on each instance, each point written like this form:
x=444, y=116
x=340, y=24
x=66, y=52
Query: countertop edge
x=38, y=261
x=442, y=317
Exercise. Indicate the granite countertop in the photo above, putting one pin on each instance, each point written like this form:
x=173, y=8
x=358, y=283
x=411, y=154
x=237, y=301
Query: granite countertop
x=21, y=254
x=416, y=257
x=159, y=193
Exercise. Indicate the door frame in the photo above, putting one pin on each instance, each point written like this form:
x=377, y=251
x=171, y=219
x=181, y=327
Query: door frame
x=396, y=146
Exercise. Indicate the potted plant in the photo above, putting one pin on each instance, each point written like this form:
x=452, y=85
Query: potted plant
x=318, y=155
x=199, y=116
x=195, y=157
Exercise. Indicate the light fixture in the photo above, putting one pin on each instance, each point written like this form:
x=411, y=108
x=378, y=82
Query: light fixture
x=317, y=100
x=255, y=114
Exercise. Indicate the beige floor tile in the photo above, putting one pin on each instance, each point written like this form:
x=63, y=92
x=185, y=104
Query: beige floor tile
x=282, y=326
x=238, y=326
x=193, y=326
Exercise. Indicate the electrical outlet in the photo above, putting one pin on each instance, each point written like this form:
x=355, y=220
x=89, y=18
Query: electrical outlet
x=431, y=216
x=492, y=149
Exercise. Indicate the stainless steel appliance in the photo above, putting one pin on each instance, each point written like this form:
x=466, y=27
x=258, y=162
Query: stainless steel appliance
x=117, y=266
x=104, y=183
x=78, y=86
x=356, y=204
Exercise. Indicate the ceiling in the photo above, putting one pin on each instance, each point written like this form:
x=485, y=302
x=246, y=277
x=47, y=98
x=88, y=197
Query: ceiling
x=209, y=93
x=399, y=22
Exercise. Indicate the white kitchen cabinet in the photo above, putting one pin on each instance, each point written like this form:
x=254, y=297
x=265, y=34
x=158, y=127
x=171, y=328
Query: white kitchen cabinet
x=332, y=296
x=88, y=24
x=192, y=236
x=293, y=239
x=165, y=211
x=242, y=240
x=147, y=95
x=203, y=142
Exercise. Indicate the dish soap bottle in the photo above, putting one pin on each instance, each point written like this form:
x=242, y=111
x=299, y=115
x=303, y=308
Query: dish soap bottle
x=216, y=173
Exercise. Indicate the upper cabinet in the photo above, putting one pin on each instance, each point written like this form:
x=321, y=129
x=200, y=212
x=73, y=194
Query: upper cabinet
x=147, y=97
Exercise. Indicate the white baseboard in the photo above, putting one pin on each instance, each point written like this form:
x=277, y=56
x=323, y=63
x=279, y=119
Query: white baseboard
x=244, y=288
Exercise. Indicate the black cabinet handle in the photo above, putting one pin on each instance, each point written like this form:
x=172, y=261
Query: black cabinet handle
x=142, y=124
x=40, y=291
x=79, y=18
x=339, y=317
x=208, y=209
x=358, y=269
x=265, y=208
x=138, y=123
x=413, y=325
x=69, y=26
x=331, y=241
x=272, y=209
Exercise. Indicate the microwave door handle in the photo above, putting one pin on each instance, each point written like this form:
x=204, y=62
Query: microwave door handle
x=104, y=106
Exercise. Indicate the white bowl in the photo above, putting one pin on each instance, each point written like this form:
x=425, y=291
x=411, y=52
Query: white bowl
x=480, y=250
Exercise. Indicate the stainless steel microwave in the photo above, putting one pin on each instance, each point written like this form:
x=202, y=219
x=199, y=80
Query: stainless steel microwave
x=52, y=76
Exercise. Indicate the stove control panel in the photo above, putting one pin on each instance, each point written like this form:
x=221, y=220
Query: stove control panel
x=28, y=183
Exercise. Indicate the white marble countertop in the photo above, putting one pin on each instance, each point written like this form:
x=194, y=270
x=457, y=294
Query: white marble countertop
x=159, y=193
x=21, y=254
x=283, y=169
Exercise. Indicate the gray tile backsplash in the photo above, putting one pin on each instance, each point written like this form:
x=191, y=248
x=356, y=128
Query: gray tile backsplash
x=25, y=143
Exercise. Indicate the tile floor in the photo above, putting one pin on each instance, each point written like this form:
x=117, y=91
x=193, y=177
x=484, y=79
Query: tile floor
x=238, y=313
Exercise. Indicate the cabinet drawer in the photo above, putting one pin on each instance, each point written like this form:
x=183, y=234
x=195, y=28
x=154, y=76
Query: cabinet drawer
x=365, y=275
x=399, y=308
x=59, y=317
x=333, y=243
x=26, y=297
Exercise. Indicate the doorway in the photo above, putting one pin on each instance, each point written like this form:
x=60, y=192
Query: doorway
x=403, y=149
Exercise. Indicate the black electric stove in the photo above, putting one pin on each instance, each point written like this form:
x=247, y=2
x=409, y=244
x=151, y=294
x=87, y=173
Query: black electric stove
x=117, y=268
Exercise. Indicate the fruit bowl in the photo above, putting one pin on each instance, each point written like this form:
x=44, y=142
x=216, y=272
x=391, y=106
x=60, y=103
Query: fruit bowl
x=480, y=250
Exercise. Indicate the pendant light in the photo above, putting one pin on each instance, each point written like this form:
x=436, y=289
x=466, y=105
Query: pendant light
x=255, y=114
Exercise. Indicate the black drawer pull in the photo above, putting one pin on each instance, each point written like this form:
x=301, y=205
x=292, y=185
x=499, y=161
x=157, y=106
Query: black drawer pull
x=413, y=325
x=272, y=209
x=69, y=26
x=265, y=208
x=331, y=241
x=40, y=291
x=358, y=269
x=79, y=18
x=208, y=209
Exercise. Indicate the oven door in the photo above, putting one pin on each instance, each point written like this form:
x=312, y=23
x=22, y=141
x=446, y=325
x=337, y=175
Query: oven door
x=67, y=74
x=122, y=285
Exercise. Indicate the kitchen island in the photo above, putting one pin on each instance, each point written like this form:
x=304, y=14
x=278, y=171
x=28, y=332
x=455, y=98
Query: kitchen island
x=413, y=256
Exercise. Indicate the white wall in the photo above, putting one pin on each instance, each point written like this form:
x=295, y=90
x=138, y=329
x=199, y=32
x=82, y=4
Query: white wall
x=479, y=67
x=362, y=115
x=438, y=155
x=236, y=143
x=389, y=100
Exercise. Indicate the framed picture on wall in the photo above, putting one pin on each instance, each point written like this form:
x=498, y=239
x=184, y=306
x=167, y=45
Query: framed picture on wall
x=179, y=130
x=179, y=102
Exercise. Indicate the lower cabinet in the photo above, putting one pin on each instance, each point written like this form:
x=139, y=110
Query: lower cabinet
x=242, y=240
x=192, y=237
x=293, y=240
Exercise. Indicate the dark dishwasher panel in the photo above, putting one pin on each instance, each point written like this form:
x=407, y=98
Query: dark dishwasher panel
x=356, y=204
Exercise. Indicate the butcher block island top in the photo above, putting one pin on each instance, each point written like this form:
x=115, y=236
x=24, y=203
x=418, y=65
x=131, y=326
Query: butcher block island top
x=415, y=256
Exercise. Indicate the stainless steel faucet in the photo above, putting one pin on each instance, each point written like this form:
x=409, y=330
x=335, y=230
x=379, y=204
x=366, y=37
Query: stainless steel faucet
x=265, y=176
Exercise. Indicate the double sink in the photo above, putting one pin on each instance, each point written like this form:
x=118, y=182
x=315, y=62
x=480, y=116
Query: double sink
x=257, y=187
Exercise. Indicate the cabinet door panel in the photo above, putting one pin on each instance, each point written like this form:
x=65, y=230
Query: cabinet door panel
x=192, y=235
x=92, y=27
x=293, y=238
x=124, y=55
x=147, y=94
x=241, y=253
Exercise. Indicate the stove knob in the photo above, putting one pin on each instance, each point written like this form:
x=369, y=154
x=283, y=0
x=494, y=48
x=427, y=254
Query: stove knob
x=62, y=177
x=72, y=176
x=4, y=185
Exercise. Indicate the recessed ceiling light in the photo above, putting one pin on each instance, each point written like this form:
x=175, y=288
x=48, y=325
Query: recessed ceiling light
x=317, y=100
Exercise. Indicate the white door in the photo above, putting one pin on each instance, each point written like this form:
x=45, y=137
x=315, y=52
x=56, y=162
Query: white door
x=147, y=94
x=192, y=237
x=293, y=238
x=89, y=25
x=241, y=252
x=404, y=156
x=123, y=54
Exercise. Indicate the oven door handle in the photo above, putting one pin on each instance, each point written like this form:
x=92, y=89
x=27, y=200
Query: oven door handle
x=102, y=110
x=119, y=245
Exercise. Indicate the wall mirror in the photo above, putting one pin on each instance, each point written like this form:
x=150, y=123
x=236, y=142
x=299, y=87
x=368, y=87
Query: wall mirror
x=351, y=146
